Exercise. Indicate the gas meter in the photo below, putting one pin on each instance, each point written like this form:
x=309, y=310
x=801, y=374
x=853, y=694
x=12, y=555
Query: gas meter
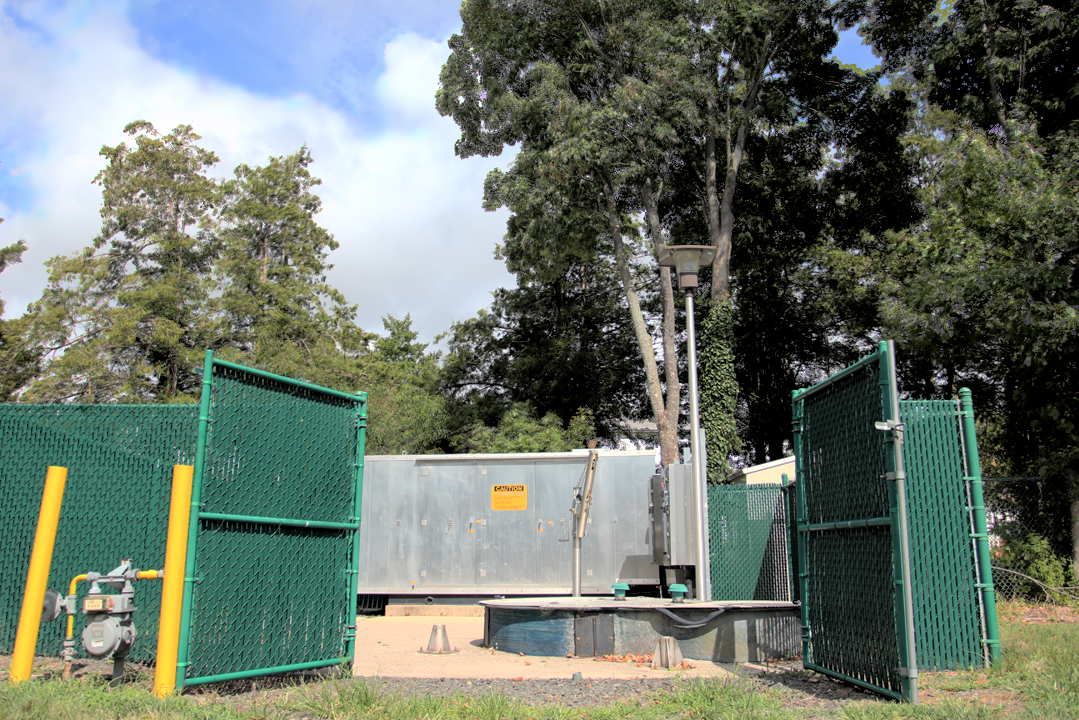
x=109, y=629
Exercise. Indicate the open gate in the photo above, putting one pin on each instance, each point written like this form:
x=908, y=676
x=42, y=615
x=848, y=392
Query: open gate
x=853, y=548
x=273, y=543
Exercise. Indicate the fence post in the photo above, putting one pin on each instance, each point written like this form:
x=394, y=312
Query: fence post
x=800, y=521
x=357, y=511
x=183, y=650
x=897, y=491
x=981, y=535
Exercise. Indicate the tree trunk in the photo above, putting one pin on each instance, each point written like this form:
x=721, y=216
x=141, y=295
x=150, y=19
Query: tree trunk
x=668, y=436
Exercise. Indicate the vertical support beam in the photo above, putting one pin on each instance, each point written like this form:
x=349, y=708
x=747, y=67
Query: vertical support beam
x=353, y=573
x=792, y=539
x=703, y=590
x=37, y=576
x=172, y=591
x=202, y=439
x=981, y=537
x=801, y=520
x=897, y=495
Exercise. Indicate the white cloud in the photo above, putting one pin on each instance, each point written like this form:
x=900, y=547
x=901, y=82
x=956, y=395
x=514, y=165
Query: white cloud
x=406, y=211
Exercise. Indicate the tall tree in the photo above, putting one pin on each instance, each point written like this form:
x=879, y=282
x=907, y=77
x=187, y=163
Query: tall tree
x=276, y=309
x=18, y=359
x=407, y=412
x=987, y=289
x=126, y=319
x=615, y=106
x=560, y=346
x=558, y=78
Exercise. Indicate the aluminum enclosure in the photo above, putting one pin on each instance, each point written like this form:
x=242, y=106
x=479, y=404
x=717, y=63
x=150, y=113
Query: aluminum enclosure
x=672, y=527
x=501, y=524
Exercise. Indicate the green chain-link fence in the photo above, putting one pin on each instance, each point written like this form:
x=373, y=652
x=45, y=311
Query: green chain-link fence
x=947, y=613
x=859, y=469
x=115, y=506
x=851, y=611
x=748, y=537
x=273, y=546
x=1030, y=537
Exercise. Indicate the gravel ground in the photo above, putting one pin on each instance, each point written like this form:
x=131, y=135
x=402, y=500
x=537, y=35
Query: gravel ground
x=812, y=696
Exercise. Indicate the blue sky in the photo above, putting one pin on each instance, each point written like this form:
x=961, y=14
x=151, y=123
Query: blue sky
x=354, y=80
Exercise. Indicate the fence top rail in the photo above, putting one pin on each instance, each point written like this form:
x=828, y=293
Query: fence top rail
x=358, y=397
x=831, y=380
x=464, y=458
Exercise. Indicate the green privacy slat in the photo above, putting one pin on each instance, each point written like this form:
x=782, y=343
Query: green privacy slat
x=271, y=593
x=116, y=501
x=846, y=571
x=849, y=590
x=747, y=527
x=946, y=599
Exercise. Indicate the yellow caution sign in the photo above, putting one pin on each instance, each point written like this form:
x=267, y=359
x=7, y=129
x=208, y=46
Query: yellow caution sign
x=509, y=497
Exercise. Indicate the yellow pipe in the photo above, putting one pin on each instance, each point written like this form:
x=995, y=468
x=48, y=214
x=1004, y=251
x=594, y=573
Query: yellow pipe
x=37, y=577
x=150, y=575
x=71, y=618
x=172, y=592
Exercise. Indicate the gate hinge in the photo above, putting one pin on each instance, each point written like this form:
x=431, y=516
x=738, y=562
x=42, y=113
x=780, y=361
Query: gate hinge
x=911, y=673
x=893, y=476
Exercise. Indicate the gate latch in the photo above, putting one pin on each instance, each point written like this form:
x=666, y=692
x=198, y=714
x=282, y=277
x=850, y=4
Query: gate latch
x=894, y=426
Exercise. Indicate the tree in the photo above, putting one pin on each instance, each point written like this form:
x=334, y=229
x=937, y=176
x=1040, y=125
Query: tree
x=541, y=74
x=560, y=345
x=18, y=360
x=277, y=311
x=640, y=110
x=987, y=287
x=126, y=320
x=519, y=432
x=407, y=413
x=987, y=60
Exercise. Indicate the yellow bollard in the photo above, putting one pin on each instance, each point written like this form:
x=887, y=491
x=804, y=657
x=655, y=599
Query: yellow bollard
x=37, y=577
x=172, y=592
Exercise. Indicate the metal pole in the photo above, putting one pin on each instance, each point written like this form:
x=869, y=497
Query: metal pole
x=580, y=518
x=201, y=439
x=172, y=591
x=981, y=532
x=576, y=566
x=703, y=591
x=904, y=529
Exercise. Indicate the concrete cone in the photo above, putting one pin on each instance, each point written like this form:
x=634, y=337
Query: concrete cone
x=667, y=653
x=439, y=642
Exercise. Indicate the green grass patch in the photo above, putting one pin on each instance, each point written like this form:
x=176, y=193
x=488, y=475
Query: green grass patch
x=1038, y=680
x=93, y=699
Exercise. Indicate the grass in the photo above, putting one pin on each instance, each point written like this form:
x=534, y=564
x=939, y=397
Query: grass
x=1038, y=680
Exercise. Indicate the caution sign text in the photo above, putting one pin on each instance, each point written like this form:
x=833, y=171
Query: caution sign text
x=509, y=497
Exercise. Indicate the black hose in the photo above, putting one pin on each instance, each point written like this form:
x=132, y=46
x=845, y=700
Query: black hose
x=691, y=624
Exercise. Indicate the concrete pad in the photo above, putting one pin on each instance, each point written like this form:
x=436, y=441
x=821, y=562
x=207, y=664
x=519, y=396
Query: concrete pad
x=434, y=611
x=390, y=647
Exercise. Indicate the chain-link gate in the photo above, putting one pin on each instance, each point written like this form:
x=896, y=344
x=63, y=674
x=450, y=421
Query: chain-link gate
x=115, y=504
x=862, y=473
x=947, y=610
x=273, y=547
x=748, y=536
x=857, y=610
